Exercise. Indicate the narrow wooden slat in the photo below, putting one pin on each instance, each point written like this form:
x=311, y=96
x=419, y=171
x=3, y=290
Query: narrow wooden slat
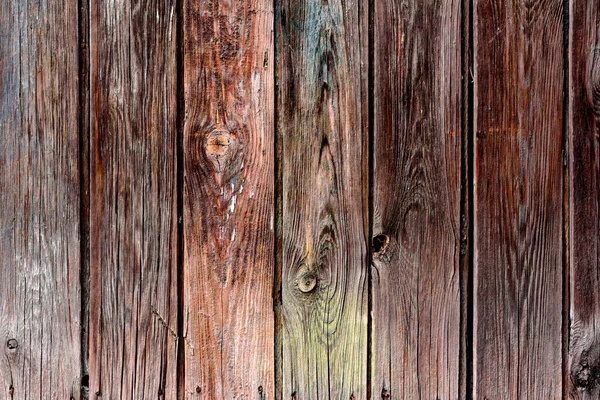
x=133, y=227
x=583, y=114
x=518, y=108
x=322, y=99
x=416, y=199
x=39, y=200
x=228, y=199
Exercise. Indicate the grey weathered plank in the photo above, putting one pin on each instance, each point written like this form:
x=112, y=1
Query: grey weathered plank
x=416, y=199
x=39, y=197
x=228, y=141
x=582, y=120
x=518, y=286
x=133, y=227
x=322, y=159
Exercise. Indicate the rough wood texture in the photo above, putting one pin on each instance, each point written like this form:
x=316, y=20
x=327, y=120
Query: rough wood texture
x=133, y=227
x=583, y=115
x=321, y=71
x=228, y=199
x=416, y=199
x=39, y=197
x=518, y=108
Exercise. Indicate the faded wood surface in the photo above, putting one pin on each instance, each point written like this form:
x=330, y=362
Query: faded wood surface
x=517, y=117
x=133, y=223
x=228, y=199
x=322, y=135
x=416, y=199
x=39, y=197
x=583, y=114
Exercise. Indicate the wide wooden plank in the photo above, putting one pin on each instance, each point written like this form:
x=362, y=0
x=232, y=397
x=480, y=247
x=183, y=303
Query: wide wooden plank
x=323, y=225
x=39, y=196
x=582, y=120
x=133, y=225
x=228, y=199
x=416, y=199
x=518, y=285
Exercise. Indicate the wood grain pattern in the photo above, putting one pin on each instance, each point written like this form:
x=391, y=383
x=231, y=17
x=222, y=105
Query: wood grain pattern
x=322, y=98
x=39, y=197
x=583, y=114
x=416, y=199
x=133, y=227
x=228, y=199
x=518, y=108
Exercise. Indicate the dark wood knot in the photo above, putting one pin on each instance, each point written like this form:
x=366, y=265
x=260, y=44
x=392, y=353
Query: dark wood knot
x=198, y=389
x=379, y=245
x=12, y=344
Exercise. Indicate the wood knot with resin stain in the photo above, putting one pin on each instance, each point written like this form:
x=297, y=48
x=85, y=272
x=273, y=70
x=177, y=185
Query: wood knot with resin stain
x=219, y=147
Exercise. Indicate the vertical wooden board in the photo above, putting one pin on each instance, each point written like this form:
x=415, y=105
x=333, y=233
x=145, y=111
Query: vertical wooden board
x=228, y=199
x=39, y=196
x=321, y=78
x=583, y=114
x=133, y=227
x=518, y=108
x=416, y=199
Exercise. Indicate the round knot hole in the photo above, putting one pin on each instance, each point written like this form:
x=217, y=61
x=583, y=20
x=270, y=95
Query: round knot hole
x=12, y=344
x=380, y=244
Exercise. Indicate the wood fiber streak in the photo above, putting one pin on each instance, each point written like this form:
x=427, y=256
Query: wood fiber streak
x=228, y=199
x=133, y=227
x=321, y=84
x=416, y=199
x=39, y=197
x=518, y=108
x=583, y=125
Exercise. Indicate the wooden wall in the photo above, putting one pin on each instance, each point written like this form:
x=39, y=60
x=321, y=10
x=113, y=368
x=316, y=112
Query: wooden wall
x=300, y=199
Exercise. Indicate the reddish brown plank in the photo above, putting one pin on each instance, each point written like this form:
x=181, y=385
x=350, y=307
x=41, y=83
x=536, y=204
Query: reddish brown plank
x=322, y=159
x=518, y=108
x=39, y=196
x=228, y=199
x=583, y=114
x=416, y=199
x=133, y=226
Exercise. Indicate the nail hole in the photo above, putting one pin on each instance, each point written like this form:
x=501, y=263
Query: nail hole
x=260, y=389
x=198, y=389
x=385, y=394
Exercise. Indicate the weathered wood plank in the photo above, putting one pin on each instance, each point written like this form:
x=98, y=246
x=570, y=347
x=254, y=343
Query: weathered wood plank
x=518, y=108
x=416, y=199
x=133, y=227
x=582, y=120
x=39, y=196
x=321, y=127
x=228, y=199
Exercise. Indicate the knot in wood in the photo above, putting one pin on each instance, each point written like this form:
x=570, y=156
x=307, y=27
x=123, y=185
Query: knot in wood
x=12, y=344
x=307, y=281
x=380, y=244
x=218, y=146
x=385, y=394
